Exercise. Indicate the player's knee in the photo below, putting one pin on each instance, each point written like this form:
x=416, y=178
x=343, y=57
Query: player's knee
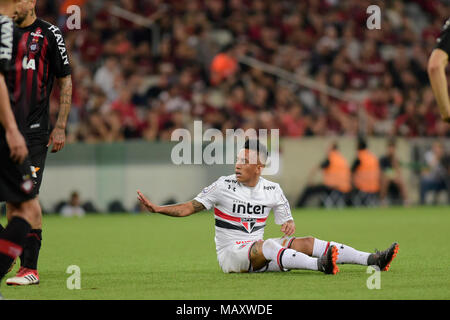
x=270, y=248
x=304, y=245
x=257, y=258
x=30, y=211
x=309, y=241
x=271, y=243
x=11, y=210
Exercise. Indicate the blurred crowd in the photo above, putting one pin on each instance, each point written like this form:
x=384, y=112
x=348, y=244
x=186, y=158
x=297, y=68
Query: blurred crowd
x=135, y=82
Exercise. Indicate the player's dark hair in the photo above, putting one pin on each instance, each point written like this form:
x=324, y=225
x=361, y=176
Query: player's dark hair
x=261, y=150
x=256, y=145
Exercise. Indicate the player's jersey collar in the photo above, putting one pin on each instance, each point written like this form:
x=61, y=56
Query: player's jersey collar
x=243, y=185
x=31, y=26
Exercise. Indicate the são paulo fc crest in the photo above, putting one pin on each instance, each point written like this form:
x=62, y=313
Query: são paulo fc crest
x=248, y=224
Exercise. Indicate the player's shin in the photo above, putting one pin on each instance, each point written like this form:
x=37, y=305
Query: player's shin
x=288, y=258
x=346, y=254
x=31, y=248
x=11, y=242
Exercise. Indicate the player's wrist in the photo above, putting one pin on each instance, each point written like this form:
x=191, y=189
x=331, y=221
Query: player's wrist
x=11, y=127
x=158, y=209
x=60, y=126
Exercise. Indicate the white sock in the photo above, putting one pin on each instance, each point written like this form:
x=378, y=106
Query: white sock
x=288, y=258
x=346, y=254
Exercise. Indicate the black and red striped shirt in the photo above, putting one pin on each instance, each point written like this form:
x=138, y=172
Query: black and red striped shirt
x=39, y=55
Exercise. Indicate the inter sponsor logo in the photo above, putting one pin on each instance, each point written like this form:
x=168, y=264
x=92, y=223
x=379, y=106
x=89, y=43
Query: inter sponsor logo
x=249, y=208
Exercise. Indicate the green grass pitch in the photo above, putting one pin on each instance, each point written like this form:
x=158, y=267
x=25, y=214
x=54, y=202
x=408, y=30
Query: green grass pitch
x=158, y=257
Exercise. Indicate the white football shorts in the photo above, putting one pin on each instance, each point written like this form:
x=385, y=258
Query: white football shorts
x=235, y=258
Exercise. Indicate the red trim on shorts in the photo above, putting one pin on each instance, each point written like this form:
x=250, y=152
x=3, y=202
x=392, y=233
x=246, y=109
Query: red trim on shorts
x=10, y=249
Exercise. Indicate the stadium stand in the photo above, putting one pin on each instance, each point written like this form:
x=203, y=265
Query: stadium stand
x=132, y=82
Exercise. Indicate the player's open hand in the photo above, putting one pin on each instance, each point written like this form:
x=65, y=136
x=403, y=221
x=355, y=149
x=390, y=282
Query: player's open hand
x=58, y=139
x=150, y=206
x=17, y=146
x=288, y=228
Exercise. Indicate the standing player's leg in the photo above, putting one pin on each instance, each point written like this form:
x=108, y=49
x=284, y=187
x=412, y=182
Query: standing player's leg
x=13, y=236
x=28, y=274
x=32, y=245
x=263, y=252
x=15, y=186
x=317, y=248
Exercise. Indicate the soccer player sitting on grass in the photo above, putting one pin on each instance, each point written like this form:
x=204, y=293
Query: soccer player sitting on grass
x=242, y=203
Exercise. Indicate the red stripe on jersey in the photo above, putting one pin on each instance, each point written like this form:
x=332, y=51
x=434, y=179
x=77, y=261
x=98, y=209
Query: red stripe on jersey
x=30, y=74
x=40, y=76
x=32, y=57
x=21, y=48
x=10, y=249
x=225, y=216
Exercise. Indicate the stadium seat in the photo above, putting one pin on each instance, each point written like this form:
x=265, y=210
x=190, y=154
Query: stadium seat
x=364, y=199
x=333, y=199
x=116, y=207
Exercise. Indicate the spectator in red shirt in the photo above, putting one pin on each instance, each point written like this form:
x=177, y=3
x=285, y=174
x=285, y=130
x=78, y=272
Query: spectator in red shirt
x=292, y=122
x=127, y=111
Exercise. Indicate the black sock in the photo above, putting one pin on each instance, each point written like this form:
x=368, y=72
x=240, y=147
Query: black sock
x=11, y=242
x=1, y=228
x=31, y=248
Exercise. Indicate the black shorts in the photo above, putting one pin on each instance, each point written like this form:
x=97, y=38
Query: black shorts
x=37, y=148
x=16, y=183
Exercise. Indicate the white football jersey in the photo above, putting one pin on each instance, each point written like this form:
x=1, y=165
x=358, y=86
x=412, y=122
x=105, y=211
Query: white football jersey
x=240, y=211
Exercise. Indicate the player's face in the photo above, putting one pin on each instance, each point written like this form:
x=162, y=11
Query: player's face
x=248, y=167
x=23, y=8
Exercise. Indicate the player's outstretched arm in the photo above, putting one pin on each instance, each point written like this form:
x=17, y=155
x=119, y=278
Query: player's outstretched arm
x=176, y=210
x=436, y=72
